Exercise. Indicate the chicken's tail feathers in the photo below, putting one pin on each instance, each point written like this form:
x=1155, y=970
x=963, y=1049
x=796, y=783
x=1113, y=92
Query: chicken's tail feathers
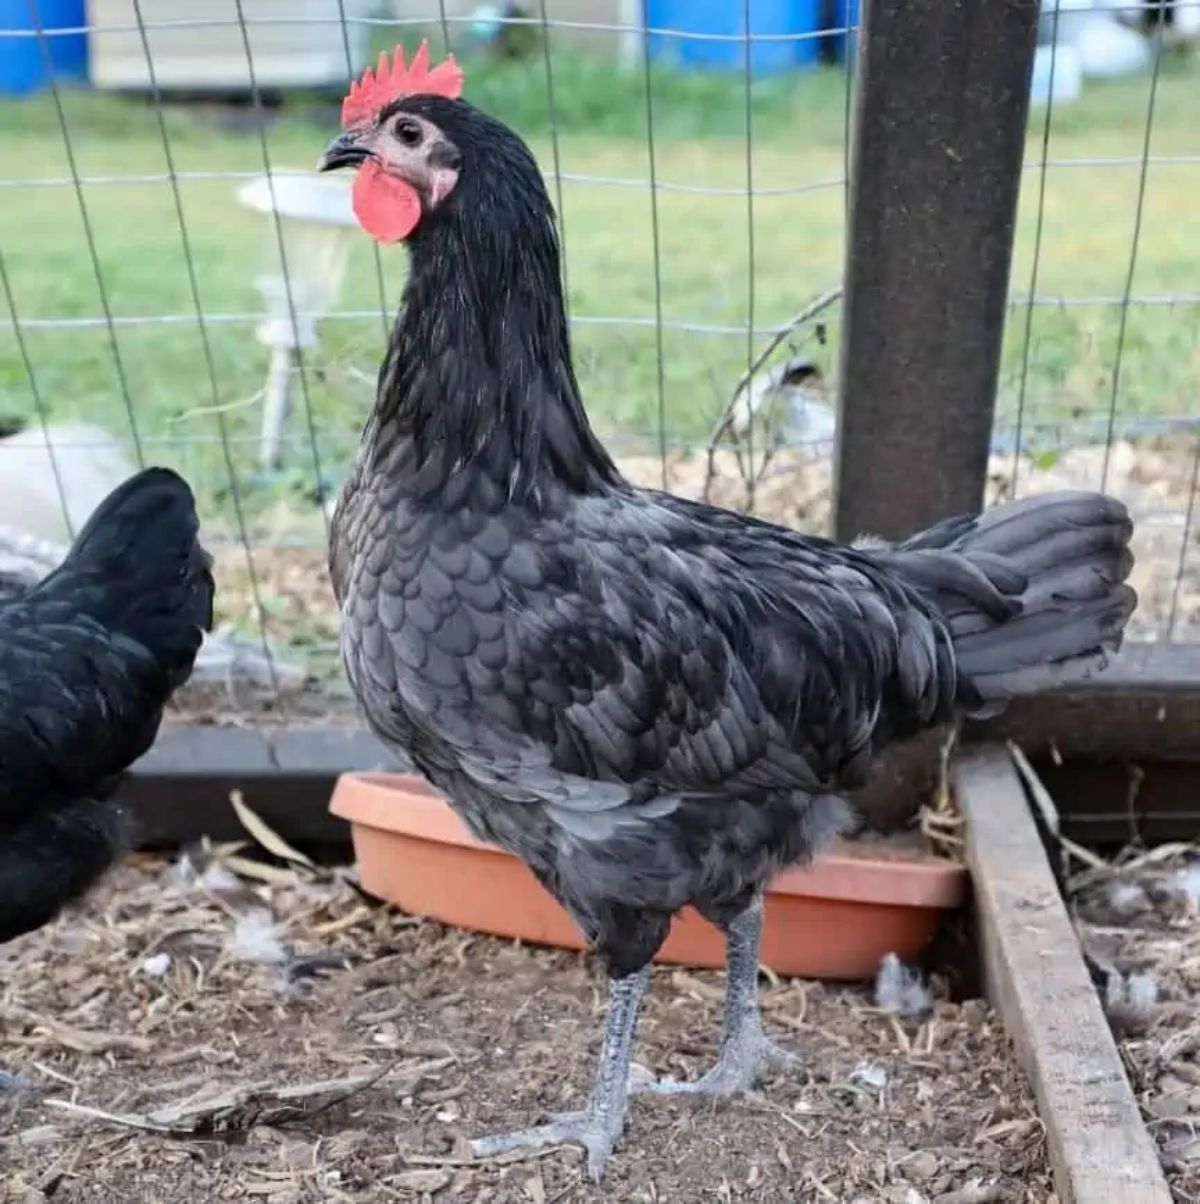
x=138, y=567
x=1034, y=592
x=53, y=859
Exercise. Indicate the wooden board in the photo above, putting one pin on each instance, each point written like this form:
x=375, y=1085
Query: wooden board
x=1099, y=1148
x=1115, y=802
x=1146, y=704
x=179, y=791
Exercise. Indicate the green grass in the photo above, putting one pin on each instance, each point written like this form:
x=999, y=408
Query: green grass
x=699, y=128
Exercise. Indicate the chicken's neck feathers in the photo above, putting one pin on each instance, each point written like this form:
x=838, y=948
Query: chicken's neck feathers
x=478, y=375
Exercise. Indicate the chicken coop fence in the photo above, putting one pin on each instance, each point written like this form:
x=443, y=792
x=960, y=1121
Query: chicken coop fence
x=180, y=287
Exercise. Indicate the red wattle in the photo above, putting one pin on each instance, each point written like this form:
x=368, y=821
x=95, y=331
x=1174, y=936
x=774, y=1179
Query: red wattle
x=387, y=208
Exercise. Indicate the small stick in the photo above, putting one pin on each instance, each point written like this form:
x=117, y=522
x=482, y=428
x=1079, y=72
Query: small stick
x=1049, y=812
x=503, y=1158
x=813, y=309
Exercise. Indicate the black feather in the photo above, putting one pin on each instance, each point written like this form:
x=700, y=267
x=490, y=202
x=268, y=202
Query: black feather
x=88, y=660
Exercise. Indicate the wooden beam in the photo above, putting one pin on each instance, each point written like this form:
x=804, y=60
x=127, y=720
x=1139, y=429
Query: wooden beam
x=1100, y=1151
x=171, y=812
x=179, y=791
x=1116, y=802
x=311, y=749
x=939, y=137
x=1145, y=705
x=1100, y=802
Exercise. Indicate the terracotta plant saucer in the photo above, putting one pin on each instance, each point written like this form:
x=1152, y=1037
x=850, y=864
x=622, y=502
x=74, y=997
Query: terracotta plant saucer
x=834, y=919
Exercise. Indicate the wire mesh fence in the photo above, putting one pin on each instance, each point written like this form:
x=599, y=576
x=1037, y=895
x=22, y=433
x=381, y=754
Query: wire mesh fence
x=173, y=292
x=1115, y=414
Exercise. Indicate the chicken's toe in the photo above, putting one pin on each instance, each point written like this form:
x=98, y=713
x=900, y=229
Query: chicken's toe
x=596, y=1132
x=739, y=1067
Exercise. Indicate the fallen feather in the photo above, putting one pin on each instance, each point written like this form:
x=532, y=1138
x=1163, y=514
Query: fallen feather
x=1189, y=881
x=255, y=938
x=901, y=990
x=1127, y=899
x=1130, y=1000
x=156, y=965
x=870, y=1074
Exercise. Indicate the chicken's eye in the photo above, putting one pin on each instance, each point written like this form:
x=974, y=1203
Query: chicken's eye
x=408, y=131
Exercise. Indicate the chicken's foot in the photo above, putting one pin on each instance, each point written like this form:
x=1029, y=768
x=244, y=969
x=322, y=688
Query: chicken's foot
x=599, y=1125
x=746, y=1053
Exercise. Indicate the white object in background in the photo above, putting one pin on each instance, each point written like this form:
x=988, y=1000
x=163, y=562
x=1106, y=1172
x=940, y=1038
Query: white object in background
x=631, y=16
x=293, y=43
x=1181, y=19
x=1062, y=20
x=1107, y=49
x=1067, y=72
x=90, y=464
x=309, y=214
x=1094, y=29
x=786, y=409
x=1186, y=25
x=485, y=21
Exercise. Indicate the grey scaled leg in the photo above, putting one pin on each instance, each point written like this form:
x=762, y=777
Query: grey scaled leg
x=599, y=1125
x=745, y=1053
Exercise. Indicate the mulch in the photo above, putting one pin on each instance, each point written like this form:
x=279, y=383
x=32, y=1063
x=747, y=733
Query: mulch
x=220, y=1028
x=1139, y=917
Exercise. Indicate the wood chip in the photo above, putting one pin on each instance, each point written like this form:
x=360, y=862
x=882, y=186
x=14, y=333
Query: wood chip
x=425, y=1181
x=266, y=835
x=80, y=1040
x=235, y=1110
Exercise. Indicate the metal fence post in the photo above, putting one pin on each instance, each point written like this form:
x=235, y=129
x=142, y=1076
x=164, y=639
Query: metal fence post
x=943, y=98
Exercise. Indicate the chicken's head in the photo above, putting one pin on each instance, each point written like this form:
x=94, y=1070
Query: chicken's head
x=407, y=166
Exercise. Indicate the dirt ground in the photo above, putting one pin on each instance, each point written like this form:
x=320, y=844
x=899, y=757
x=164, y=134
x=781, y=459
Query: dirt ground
x=191, y=996
x=1140, y=919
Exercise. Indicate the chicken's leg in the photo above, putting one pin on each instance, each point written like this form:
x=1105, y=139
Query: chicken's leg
x=599, y=1125
x=745, y=1051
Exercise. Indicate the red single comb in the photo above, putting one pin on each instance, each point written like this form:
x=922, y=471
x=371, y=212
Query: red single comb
x=392, y=81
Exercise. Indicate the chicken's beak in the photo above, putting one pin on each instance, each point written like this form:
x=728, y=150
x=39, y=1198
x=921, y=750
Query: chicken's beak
x=346, y=150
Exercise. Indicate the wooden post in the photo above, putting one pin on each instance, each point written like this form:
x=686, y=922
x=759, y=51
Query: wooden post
x=943, y=97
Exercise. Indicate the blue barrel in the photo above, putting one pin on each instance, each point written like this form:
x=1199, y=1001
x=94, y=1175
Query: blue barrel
x=728, y=18
x=847, y=15
x=23, y=66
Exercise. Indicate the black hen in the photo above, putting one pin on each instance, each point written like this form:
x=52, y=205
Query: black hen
x=88, y=659
x=652, y=701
